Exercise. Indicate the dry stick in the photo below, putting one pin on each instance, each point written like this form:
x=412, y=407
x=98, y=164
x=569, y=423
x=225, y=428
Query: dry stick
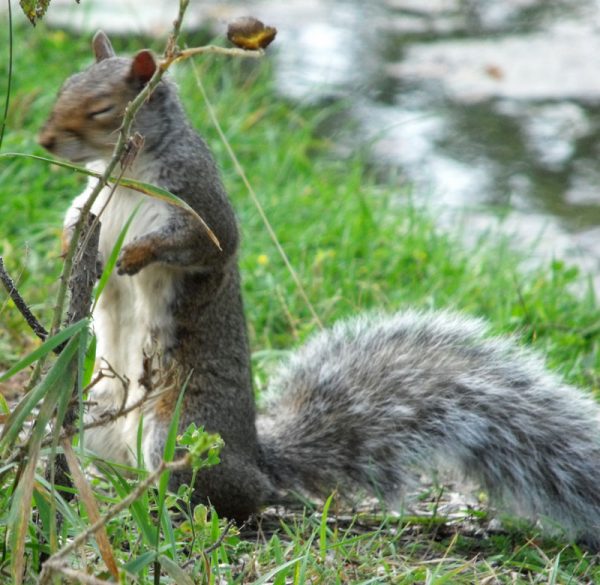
x=182, y=463
x=240, y=171
x=14, y=294
x=86, y=496
x=74, y=575
x=231, y=52
x=217, y=543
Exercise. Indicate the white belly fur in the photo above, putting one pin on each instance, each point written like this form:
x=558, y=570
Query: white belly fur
x=131, y=320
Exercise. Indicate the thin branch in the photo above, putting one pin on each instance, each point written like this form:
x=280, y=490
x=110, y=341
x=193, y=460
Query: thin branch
x=217, y=543
x=47, y=567
x=227, y=51
x=21, y=305
x=72, y=574
x=171, y=47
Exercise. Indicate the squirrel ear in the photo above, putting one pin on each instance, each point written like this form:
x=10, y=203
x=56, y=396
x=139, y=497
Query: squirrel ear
x=142, y=67
x=102, y=47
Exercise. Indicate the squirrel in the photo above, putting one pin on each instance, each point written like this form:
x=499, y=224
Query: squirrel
x=364, y=406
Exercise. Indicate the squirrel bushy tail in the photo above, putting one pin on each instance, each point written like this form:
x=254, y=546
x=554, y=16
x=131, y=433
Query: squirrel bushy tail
x=377, y=399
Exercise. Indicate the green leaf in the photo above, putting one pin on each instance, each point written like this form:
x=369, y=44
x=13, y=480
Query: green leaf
x=145, y=188
x=34, y=9
x=4, y=408
x=139, y=508
x=114, y=255
x=55, y=377
x=45, y=348
x=268, y=576
x=163, y=482
x=135, y=565
x=323, y=528
x=63, y=507
x=59, y=380
x=89, y=362
x=167, y=527
x=175, y=571
x=18, y=518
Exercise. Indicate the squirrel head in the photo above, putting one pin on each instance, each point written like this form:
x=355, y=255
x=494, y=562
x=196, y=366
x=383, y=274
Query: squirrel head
x=85, y=120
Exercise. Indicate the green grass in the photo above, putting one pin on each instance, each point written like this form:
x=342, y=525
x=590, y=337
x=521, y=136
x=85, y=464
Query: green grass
x=357, y=244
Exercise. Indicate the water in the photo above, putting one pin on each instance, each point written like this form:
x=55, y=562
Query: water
x=490, y=108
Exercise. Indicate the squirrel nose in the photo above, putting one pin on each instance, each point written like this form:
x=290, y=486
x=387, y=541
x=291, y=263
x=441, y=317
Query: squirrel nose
x=47, y=141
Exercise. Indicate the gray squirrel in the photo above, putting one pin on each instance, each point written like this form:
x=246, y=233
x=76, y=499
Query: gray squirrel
x=366, y=405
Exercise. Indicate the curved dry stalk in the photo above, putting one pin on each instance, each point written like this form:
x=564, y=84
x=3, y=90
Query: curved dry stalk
x=49, y=566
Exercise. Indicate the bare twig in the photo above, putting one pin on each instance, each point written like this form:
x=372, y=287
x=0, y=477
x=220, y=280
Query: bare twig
x=14, y=294
x=227, y=51
x=86, y=496
x=49, y=565
x=217, y=543
x=61, y=567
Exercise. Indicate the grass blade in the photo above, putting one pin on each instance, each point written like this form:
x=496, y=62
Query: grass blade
x=54, y=378
x=136, y=565
x=266, y=578
x=323, y=528
x=163, y=483
x=60, y=379
x=175, y=571
x=114, y=255
x=10, y=74
x=138, y=508
x=18, y=519
x=87, y=497
x=145, y=188
x=44, y=349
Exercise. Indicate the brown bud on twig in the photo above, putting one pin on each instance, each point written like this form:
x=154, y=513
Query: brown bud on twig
x=132, y=149
x=250, y=33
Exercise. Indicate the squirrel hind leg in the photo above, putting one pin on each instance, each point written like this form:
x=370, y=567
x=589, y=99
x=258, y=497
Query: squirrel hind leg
x=234, y=487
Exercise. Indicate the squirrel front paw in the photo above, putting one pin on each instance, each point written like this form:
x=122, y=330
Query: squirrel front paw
x=134, y=257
